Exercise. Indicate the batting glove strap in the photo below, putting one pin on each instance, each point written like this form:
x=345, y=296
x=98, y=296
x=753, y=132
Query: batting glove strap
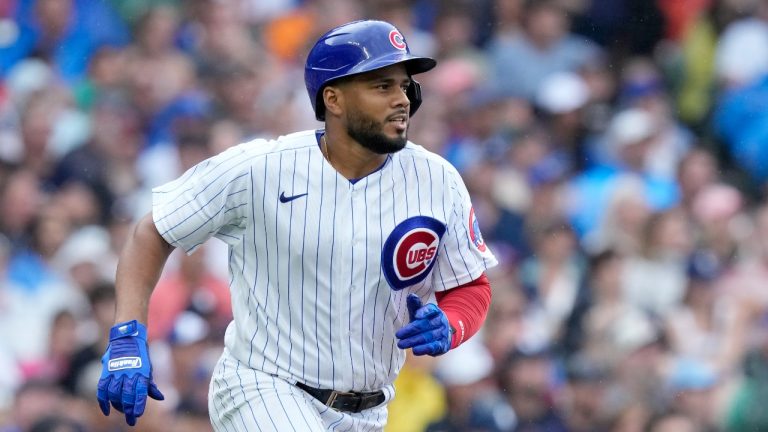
x=128, y=329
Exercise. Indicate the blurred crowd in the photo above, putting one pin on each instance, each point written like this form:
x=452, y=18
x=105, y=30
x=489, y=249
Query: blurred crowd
x=616, y=152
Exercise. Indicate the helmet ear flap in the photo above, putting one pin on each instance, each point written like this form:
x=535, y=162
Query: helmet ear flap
x=414, y=96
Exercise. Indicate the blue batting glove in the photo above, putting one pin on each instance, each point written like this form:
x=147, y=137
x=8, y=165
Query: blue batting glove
x=429, y=331
x=126, y=375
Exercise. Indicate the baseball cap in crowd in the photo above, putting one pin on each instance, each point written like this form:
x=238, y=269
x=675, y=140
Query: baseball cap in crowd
x=634, y=330
x=631, y=126
x=716, y=202
x=562, y=92
x=634, y=89
x=189, y=328
x=581, y=368
x=456, y=76
x=87, y=245
x=703, y=265
x=465, y=365
x=688, y=374
x=549, y=169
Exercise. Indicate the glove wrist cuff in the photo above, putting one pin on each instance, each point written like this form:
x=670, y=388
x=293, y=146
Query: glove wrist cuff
x=131, y=328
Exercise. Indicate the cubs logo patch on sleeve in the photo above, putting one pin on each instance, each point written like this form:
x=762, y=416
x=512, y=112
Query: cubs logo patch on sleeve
x=474, y=232
x=410, y=250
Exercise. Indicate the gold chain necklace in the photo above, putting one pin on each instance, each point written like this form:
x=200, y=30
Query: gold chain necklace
x=325, y=150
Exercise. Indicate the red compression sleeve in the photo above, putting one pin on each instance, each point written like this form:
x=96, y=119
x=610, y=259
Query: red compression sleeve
x=466, y=307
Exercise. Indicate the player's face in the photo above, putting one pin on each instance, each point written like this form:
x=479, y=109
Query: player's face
x=377, y=115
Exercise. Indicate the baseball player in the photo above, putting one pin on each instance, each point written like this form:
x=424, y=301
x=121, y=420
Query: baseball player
x=347, y=246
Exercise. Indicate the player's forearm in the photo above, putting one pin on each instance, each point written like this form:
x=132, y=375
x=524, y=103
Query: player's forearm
x=466, y=307
x=138, y=270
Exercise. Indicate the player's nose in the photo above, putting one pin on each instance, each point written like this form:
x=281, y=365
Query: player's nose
x=401, y=99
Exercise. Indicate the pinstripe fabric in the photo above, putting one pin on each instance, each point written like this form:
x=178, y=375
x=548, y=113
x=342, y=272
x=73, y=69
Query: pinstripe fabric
x=310, y=301
x=243, y=399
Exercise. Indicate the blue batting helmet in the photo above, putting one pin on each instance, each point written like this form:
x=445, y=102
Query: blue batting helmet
x=358, y=47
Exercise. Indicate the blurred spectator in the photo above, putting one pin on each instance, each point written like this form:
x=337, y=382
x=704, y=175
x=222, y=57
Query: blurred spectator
x=545, y=46
x=697, y=170
x=106, y=163
x=584, y=396
x=606, y=327
x=20, y=202
x=507, y=26
x=625, y=178
x=718, y=212
x=85, y=258
x=654, y=278
x=732, y=67
x=158, y=73
x=692, y=385
x=85, y=363
x=37, y=292
x=528, y=381
x=739, y=119
x=638, y=371
x=471, y=402
x=624, y=219
x=34, y=400
x=236, y=88
x=62, y=343
x=39, y=118
x=743, y=285
x=561, y=99
x=192, y=362
x=701, y=326
x=550, y=278
x=221, y=36
x=64, y=33
x=455, y=33
x=106, y=74
x=420, y=399
x=546, y=179
x=642, y=86
x=191, y=287
x=506, y=325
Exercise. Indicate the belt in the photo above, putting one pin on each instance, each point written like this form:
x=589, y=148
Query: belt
x=345, y=401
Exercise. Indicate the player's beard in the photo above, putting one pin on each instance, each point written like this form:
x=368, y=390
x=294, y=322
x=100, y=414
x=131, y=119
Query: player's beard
x=368, y=133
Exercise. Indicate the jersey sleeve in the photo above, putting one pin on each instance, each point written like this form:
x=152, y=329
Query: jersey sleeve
x=463, y=255
x=210, y=199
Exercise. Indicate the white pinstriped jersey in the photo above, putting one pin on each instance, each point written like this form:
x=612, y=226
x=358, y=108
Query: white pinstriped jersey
x=320, y=266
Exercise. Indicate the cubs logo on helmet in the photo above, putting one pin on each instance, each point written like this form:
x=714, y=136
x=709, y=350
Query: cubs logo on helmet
x=396, y=39
x=410, y=251
x=474, y=231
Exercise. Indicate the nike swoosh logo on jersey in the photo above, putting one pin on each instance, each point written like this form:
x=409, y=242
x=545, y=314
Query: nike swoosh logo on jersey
x=285, y=199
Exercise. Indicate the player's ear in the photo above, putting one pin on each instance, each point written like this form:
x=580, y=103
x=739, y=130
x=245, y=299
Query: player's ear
x=333, y=98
